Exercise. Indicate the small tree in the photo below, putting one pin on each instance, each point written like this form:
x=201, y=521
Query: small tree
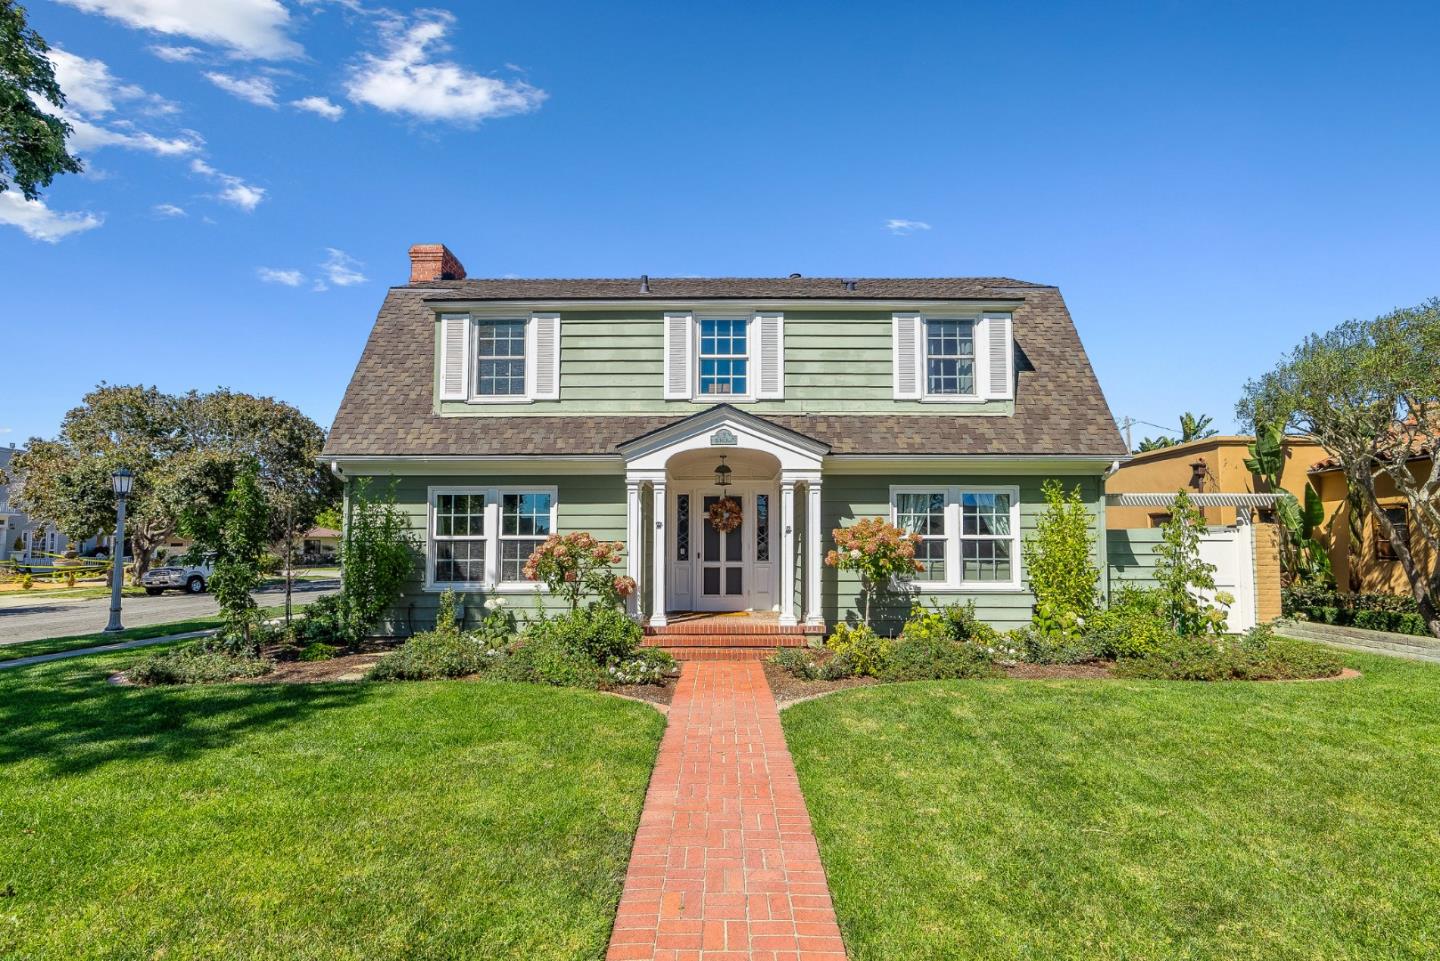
x=1058, y=561
x=1180, y=572
x=234, y=532
x=377, y=559
x=879, y=551
x=1302, y=557
x=578, y=564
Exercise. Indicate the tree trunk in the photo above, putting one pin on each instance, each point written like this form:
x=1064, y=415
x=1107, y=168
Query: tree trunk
x=1419, y=583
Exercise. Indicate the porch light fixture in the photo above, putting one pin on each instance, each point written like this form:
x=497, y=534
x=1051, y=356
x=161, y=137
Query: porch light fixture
x=722, y=474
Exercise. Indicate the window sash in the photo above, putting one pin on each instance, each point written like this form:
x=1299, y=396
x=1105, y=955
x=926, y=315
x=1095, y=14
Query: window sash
x=723, y=357
x=988, y=533
x=950, y=358
x=1400, y=518
x=500, y=358
x=518, y=539
x=500, y=527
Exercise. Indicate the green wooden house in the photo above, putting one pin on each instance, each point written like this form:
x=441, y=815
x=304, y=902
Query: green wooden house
x=503, y=410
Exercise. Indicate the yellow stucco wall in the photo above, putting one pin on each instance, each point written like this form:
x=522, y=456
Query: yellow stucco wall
x=1168, y=470
x=1372, y=574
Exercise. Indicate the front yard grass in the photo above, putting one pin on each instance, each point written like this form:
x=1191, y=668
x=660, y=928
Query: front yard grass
x=1130, y=819
x=75, y=642
x=325, y=821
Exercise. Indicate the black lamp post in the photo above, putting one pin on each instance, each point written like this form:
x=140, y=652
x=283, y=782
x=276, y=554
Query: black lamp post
x=122, y=480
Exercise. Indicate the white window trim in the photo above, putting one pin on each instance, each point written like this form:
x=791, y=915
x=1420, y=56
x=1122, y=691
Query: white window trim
x=492, y=539
x=752, y=367
x=953, y=536
x=923, y=351
x=472, y=363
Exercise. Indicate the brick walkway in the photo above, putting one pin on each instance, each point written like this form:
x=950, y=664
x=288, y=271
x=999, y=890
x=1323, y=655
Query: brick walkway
x=725, y=866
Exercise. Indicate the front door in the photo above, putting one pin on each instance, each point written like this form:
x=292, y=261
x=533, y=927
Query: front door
x=722, y=559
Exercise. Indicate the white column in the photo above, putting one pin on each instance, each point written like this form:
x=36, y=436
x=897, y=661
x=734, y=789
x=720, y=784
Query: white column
x=657, y=587
x=812, y=554
x=787, y=552
x=634, y=540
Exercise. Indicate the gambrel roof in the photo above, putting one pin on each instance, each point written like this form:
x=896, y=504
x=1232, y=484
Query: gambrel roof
x=389, y=407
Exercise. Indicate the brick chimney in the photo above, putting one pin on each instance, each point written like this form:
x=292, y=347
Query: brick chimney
x=434, y=262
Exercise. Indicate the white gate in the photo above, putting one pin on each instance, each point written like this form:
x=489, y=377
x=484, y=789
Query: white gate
x=1232, y=551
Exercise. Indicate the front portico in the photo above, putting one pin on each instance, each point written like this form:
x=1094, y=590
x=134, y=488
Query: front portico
x=680, y=561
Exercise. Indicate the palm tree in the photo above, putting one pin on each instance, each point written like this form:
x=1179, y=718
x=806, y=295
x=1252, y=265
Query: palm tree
x=1195, y=428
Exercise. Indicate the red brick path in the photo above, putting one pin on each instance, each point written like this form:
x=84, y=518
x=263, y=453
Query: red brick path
x=725, y=866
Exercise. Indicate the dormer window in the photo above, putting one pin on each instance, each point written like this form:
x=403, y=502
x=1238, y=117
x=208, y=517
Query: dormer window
x=950, y=357
x=500, y=358
x=724, y=358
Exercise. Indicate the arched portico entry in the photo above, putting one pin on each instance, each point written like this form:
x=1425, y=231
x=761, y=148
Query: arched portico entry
x=682, y=562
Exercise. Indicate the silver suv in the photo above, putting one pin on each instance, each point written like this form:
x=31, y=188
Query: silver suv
x=190, y=578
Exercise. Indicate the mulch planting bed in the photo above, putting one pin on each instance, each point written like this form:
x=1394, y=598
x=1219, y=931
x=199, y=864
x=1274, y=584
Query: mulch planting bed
x=1094, y=670
x=789, y=689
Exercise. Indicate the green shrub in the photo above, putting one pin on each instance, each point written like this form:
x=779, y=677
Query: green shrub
x=931, y=625
x=191, y=665
x=435, y=654
x=1258, y=655
x=599, y=634
x=317, y=651
x=270, y=564
x=967, y=626
x=1034, y=647
x=543, y=658
x=646, y=666
x=861, y=646
x=928, y=656
x=1134, y=625
x=323, y=621
x=1397, y=613
x=812, y=665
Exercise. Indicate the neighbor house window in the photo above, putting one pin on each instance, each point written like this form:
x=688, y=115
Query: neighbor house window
x=1400, y=518
x=724, y=357
x=481, y=537
x=524, y=525
x=969, y=536
x=950, y=357
x=459, y=539
x=500, y=358
x=923, y=513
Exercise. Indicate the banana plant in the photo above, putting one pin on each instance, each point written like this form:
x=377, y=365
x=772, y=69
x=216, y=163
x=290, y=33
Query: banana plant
x=1302, y=557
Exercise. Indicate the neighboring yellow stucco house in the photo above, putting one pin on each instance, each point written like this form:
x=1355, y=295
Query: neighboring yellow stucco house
x=1214, y=465
x=1376, y=569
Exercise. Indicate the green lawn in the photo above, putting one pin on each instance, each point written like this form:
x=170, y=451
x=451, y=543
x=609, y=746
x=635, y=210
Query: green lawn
x=1131, y=820
x=359, y=821
x=52, y=645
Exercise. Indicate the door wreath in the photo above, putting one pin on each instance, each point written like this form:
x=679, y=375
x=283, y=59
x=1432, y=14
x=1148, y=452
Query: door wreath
x=725, y=515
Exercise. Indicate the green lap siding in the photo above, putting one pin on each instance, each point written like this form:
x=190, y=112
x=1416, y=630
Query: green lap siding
x=612, y=362
x=1132, y=557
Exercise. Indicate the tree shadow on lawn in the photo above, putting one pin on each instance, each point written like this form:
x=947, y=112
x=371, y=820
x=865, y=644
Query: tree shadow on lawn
x=69, y=717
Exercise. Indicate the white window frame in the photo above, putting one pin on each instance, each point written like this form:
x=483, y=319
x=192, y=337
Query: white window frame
x=751, y=359
x=923, y=352
x=954, y=534
x=493, y=499
x=472, y=361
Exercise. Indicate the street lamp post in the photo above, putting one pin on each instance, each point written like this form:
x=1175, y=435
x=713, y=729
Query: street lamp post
x=122, y=480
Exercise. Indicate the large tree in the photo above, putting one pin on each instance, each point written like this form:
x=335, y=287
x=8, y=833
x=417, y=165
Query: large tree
x=32, y=141
x=1370, y=392
x=186, y=452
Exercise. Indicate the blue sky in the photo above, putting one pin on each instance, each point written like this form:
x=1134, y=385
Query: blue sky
x=1205, y=182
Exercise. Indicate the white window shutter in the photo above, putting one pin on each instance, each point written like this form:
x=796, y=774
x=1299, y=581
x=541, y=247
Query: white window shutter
x=999, y=359
x=678, y=340
x=454, y=356
x=908, y=352
x=545, y=385
x=770, y=334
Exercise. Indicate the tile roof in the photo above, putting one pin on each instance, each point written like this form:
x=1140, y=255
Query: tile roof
x=388, y=408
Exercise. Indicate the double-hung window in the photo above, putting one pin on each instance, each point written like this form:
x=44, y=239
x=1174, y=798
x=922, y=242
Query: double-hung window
x=480, y=537
x=724, y=357
x=1400, y=520
x=969, y=536
x=500, y=358
x=950, y=358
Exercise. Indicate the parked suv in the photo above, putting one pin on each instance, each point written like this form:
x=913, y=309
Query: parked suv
x=190, y=578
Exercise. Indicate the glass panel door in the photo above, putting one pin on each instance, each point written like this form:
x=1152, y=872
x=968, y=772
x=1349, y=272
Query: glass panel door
x=722, y=560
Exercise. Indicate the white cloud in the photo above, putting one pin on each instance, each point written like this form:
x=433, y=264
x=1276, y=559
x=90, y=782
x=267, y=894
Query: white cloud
x=6, y=430
x=168, y=210
x=175, y=54
x=321, y=106
x=339, y=268
x=256, y=90
x=233, y=190
x=92, y=93
x=275, y=275
x=40, y=222
x=249, y=28
x=902, y=227
x=405, y=77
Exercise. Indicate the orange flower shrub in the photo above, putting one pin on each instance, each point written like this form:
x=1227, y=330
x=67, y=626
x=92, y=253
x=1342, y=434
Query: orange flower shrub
x=579, y=564
x=878, y=550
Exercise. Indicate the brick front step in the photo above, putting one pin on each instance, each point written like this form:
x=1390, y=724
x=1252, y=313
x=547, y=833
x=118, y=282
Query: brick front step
x=718, y=639
x=719, y=653
x=729, y=627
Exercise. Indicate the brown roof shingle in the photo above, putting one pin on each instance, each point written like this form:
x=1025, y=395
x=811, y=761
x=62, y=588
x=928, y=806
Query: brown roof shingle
x=388, y=408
